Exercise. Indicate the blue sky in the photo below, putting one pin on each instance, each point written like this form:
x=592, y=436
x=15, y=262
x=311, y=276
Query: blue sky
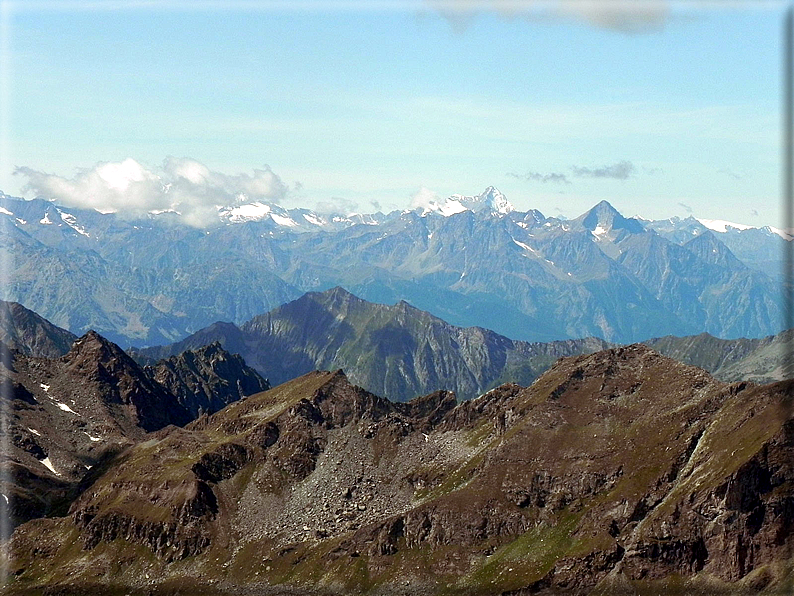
x=362, y=105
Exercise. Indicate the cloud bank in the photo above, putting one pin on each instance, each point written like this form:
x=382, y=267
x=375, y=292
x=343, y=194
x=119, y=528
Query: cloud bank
x=624, y=16
x=619, y=171
x=180, y=184
x=538, y=177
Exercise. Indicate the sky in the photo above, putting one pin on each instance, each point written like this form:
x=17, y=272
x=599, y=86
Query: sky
x=667, y=110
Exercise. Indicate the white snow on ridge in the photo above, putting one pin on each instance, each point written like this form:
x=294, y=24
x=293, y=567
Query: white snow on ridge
x=71, y=221
x=250, y=212
x=283, y=221
x=48, y=464
x=782, y=233
x=720, y=225
x=448, y=207
x=313, y=219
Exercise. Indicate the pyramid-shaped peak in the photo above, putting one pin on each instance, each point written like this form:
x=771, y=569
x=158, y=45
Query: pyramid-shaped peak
x=93, y=345
x=491, y=199
x=338, y=293
x=712, y=250
x=494, y=200
x=604, y=218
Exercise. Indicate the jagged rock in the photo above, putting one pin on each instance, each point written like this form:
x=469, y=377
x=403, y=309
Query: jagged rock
x=207, y=379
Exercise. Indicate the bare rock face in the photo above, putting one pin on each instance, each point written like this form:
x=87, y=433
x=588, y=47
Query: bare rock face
x=25, y=331
x=398, y=351
x=616, y=471
x=207, y=379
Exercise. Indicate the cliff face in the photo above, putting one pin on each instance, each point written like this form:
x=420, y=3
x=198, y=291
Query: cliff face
x=616, y=470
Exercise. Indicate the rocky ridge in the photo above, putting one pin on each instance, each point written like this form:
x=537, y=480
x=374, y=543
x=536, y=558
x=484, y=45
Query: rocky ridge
x=66, y=417
x=395, y=350
x=621, y=470
x=25, y=331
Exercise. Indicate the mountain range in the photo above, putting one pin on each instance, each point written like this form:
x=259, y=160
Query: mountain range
x=471, y=260
x=620, y=471
x=398, y=350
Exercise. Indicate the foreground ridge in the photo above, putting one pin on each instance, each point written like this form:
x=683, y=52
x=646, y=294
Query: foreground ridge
x=618, y=470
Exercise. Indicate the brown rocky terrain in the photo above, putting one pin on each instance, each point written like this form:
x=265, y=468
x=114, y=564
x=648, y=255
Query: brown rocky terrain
x=617, y=471
x=25, y=331
x=65, y=418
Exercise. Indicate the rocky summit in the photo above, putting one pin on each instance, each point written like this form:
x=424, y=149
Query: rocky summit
x=621, y=471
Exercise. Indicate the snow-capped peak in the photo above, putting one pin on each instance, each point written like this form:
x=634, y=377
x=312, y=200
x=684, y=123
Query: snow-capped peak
x=719, y=225
x=489, y=200
x=256, y=211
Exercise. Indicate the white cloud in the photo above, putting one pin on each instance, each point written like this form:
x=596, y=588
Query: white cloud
x=180, y=184
x=627, y=16
x=336, y=206
x=424, y=198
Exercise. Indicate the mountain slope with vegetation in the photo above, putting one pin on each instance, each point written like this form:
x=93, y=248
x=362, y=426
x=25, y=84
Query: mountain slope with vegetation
x=396, y=350
x=618, y=471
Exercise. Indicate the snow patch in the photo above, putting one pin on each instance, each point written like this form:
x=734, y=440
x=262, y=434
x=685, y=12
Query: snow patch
x=48, y=464
x=21, y=221
x=5, y=211
x=313, y=219
x=46, y=219
x=71, y=221
x=283, y=221
x=45, y=387
x=720, y=225
x=35, y=432
x=95, y=439
x=5, y=497
x=65, y=408
x=525, y=246
x=599, y=231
